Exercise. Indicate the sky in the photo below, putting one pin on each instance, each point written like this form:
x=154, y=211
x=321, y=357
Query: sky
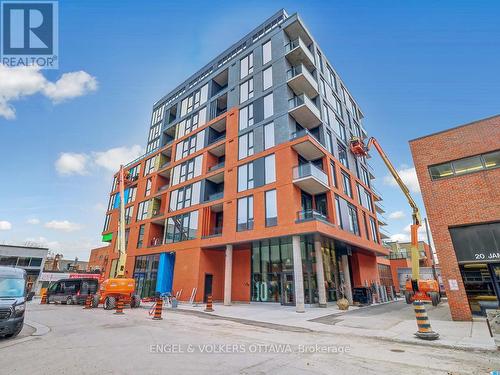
x=414, y=67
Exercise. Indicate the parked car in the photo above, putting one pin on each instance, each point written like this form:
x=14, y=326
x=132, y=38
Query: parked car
x=71, y=291
x=12, y=300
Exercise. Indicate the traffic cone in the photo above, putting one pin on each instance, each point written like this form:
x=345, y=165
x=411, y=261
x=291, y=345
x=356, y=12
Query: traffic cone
x=43, y=301
x=88, y=302
x=209, y=307
x=425, y=331
x=119, y=307
x=158, y=307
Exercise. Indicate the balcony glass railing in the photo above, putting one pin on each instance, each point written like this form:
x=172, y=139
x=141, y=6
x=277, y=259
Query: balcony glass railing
x=299, y=69
x=216, y=166
x=310, y=170
x=305, y=215
x=214, y=232
x=215, y=196
x=299, y=100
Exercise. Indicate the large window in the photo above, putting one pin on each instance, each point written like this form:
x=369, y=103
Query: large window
x=245, y=145
x=193, y=101
x=466, y=165
x=187, y=170
x=364, y=176
x=106, y=223
x=140, y=237
x=149, y=166
x=353, y=219
x=269, y=136
x=142, y=212
x=246, y=66
x=245, y=177
x=347, y=184
x=129, y=212
x=334, y=174
x=185, y=197
x=267, y=78
x=246, y=90
x=270, y=169
x=266, y=52
x=130, y=194
x=373, y=228
x=268, y=105
x=271, y=208
x=343, y=155
x=147, y=191
x=246, y=116
x=182, y=227
x=365, y=198
x=245, y=213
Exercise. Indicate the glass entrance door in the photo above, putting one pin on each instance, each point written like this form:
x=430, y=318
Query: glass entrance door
x=287, y=289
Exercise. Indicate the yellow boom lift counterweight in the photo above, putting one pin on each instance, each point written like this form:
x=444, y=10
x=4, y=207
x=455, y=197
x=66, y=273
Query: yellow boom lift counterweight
x=416, y=290
x=120, y=287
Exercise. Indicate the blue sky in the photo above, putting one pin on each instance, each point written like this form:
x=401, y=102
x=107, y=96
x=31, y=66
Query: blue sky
x=415, y=67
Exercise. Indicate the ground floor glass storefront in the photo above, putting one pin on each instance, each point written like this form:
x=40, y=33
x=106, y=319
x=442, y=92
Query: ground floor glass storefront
x=146, y=274
x=482, y=285
x=272, y=270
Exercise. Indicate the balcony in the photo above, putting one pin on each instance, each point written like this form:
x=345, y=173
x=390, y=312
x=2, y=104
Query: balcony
x=298, y=53
x=304, y=111
x=216, y=166
x=301, y=81
x=215, y=196
x=310, y=179
x=214, y=232
x=307, y=215
x=307, y=148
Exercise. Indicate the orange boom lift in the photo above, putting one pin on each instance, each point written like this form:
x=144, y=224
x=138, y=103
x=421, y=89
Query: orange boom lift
x=416, y=290
x=119, y=288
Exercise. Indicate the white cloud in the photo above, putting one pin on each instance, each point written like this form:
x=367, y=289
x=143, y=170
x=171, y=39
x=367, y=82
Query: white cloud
x=409, y=177
x=33, y=221
x=70, y=163
x=400, y=237
x=63, y=225
x=114, y=157
x=5, y=225
x=19, y=82
x=397, y=215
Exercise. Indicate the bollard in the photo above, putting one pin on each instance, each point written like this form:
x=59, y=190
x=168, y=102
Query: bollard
x=425, y=331
x=209, y=307
x=88, y=302
x=158, y=307
x=119, y=307
x=43, y=301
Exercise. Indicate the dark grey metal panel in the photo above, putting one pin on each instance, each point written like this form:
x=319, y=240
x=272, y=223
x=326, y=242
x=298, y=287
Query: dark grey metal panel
x=477, y=243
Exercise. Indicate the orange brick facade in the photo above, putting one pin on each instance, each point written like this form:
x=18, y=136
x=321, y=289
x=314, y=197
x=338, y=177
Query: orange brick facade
x=205, y=254
x=472, y=198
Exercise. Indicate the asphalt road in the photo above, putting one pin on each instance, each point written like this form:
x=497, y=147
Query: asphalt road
x=97, y=341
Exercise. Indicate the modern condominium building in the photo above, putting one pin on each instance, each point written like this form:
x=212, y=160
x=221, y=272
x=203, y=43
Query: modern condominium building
x=248, y=190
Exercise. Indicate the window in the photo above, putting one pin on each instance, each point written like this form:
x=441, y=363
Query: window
x=365, y=198
x=353, y=219
x=245, y=145
x=466, y=165
x=140, y=237
x=245, y=213
x=149, y=166
x=106, y=223
x=373, y=227
x=347, y=184
x=182, y=227
x=148, y=187
x=134, y=172
x=270, y=169
x=271, y=208
x=185, y=197
x=245, y=177
x=267, y=78
x=246, y=116
x=114, y=202
x=187, y=170
x=246, y=66
x=129, y=211
x=193, y=101
x=337, y=211
x=364, y=176
x=268, y=105
x=268, y=135
x=142, y=212
x=343, y=155
x=130, y=194
x=266, y=52
x=246, y=90
x=334, y=174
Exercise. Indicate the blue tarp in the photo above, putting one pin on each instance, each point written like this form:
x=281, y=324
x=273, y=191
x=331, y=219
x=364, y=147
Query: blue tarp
x=165, y=275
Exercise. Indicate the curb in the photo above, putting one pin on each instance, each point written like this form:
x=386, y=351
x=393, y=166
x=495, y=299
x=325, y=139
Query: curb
x=40, y=329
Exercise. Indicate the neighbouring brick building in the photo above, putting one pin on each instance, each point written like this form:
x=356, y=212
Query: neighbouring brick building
x=460, y=180
x=248, y=190
x=99, y=258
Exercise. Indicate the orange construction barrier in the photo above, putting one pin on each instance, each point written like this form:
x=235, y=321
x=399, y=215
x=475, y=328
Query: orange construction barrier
x=88, y=302
x=43, y=301
x=209, y=307
x=119, y=307
x=158, y=307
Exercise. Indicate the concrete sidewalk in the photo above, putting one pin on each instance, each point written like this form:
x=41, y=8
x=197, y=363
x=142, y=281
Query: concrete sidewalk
x=392, y=321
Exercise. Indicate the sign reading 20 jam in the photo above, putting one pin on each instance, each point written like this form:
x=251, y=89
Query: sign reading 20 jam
x=477, y=243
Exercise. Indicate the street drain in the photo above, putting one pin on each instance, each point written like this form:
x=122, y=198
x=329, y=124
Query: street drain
x=397, y=350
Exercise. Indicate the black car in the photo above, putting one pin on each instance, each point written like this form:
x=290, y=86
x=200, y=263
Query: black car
x=71, y=291
x=12, y=300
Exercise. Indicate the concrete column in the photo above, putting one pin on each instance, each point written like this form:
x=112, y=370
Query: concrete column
x=298, y=278
x=228, y=275
x=347, y=278
x=320, y=271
